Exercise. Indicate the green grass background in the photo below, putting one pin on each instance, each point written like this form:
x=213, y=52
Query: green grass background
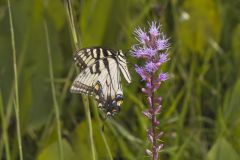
x=201, y=104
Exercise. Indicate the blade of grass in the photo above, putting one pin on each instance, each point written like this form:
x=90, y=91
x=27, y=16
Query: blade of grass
x=89, y=122
x=85, y=99
x=123, y=146
x=100, y=125
x=125, y=133
x=20, y=60
x=16, y=82
x=66, y=85
x=8, y=114
x=68, y=7
x=4, y=129
x=55, y=103
x=106, y=144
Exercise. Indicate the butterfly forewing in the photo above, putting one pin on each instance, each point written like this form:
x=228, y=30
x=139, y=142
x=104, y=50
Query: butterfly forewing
x=88, y=56
x=123, y=66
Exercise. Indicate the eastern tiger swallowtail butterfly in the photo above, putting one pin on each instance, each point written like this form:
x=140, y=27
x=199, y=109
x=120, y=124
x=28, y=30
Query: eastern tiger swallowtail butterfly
x=100, y=77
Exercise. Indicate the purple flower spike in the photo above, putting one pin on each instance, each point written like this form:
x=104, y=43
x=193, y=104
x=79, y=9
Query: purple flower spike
x=147, y=114
x=152, y=48
x=143, y=73
x=149, y=101
x=150, y=52
x=149, y=152
x=142, y=36
x=163, y=58
x=157, y=110
x=154, y=29
x=151, y=67
x=163, y=77
x=150, y=137
x=159, y=147
x=159, y=134
x=137, y=52
x=162, y=44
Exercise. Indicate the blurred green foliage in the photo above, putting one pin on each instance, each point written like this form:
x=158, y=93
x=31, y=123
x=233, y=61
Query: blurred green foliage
x=201, y=105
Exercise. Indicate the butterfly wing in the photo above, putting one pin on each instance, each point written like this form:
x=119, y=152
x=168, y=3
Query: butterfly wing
x=110, y=95
x=87, y=78
x=100, y=77
x=123, y=66
x=88, y=56
x=105, y=71
x=84, y=82
x=87, y=60
x=110, y=79
x=101, y=80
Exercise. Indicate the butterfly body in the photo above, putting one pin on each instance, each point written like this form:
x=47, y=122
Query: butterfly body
x=100, y=77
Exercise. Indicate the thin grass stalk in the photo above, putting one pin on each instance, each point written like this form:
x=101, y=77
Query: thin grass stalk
x=106, y=145
x=120, y=142
x=4, y=130
x=66, y=85
x=100, y=125
x=63, y=94
x=16, y=82
x=55, y=103
x=9, y=105
x=8, y=114
x=89, y=122
x=85, y=99
x=72, y=24
x=1, y=147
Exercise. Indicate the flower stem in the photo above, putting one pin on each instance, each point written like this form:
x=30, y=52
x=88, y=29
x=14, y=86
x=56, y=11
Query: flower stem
x=154, y=143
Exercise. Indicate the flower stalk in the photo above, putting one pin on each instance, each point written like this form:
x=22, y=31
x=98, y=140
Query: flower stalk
x=152, y=48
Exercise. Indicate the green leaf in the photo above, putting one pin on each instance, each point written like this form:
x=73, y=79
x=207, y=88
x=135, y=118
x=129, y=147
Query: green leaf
x=81, y=141
x=231, y=109
x=222, y=150
x=51, y=152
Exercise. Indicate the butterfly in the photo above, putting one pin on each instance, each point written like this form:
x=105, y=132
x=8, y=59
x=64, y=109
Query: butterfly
x=100, y=77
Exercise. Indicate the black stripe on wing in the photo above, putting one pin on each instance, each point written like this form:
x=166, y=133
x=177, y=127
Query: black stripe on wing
x=78, y=87
x=88, y=56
